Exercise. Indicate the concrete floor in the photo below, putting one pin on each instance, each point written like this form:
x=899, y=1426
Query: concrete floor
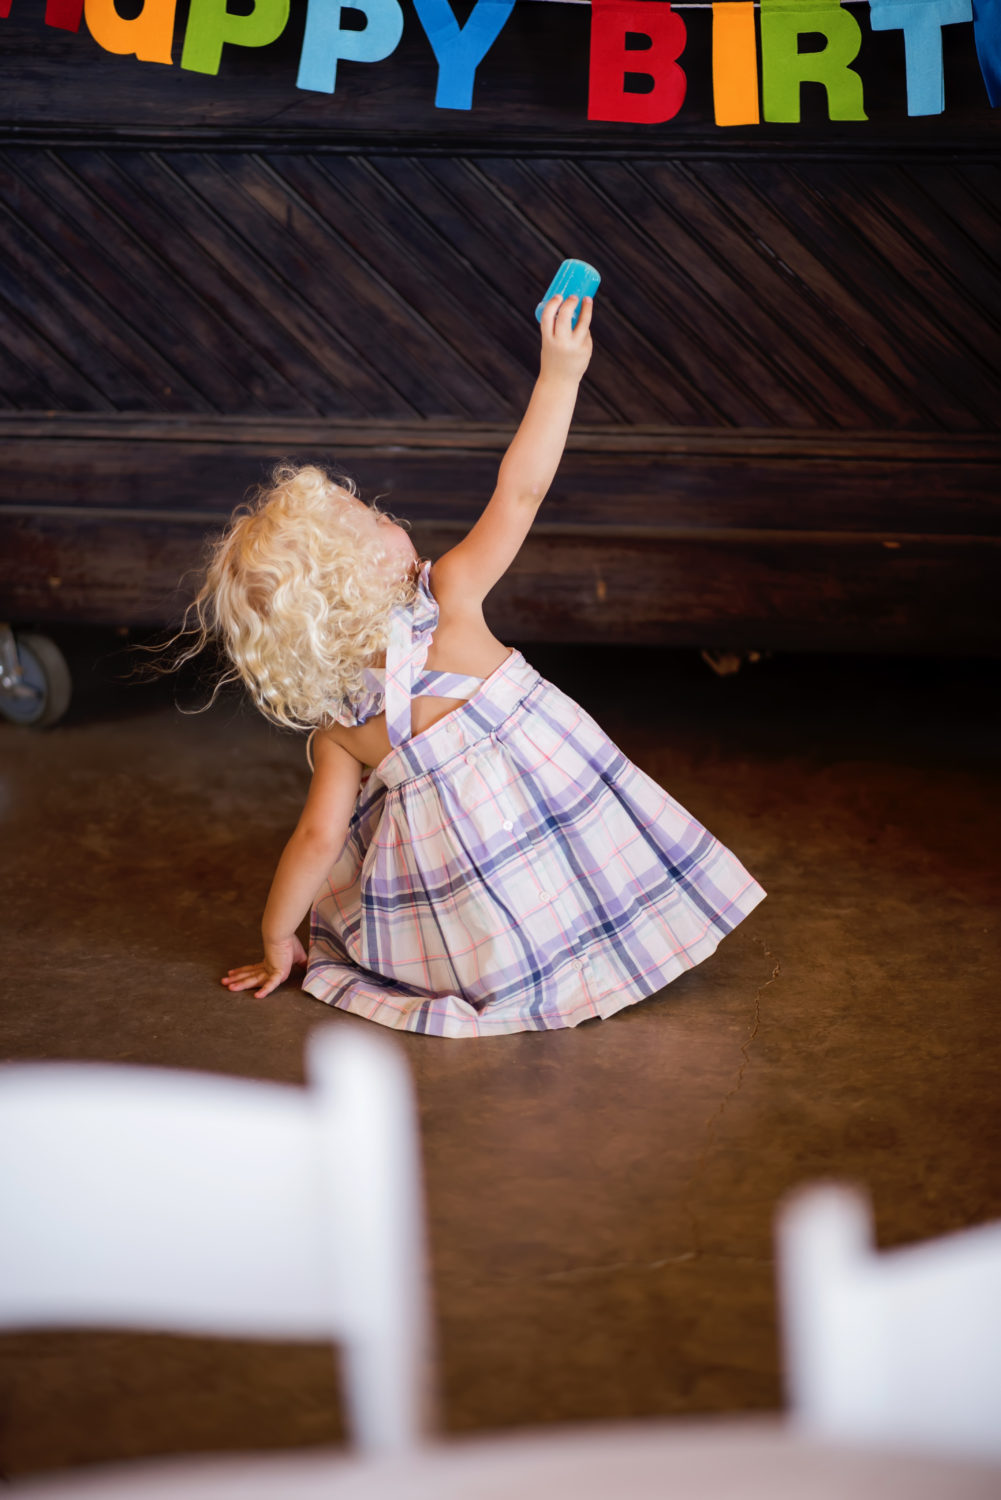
x=600, y=1200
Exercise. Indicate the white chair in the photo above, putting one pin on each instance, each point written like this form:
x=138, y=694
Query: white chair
x=145, y=1198
x=900, y=1348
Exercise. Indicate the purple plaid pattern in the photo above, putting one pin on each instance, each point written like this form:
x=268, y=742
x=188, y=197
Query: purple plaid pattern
x=511, y=870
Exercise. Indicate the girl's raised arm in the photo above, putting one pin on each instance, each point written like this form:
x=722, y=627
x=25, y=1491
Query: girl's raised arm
x=470, y=570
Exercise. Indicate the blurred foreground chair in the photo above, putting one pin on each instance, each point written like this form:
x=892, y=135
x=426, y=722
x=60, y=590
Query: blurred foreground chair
x=152, y=1199
x=134, y=1197
x=900, y=1348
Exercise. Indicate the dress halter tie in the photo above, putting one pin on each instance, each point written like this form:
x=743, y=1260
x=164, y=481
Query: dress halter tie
x=411, y=627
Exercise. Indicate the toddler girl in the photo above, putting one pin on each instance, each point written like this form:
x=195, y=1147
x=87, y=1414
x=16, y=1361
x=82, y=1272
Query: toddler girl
x=476, y=856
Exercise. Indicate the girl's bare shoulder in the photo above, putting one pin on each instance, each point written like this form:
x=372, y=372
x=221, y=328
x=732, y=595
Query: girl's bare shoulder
x=366, y=742
x=463, y=641
x=451, y=590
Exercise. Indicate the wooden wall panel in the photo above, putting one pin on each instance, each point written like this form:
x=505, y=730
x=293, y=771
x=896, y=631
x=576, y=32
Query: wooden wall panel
x=711, y=539
x=752, y=295
x=744, y=590
x=793, y=401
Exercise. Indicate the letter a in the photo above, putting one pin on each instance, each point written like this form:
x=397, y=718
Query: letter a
x=148, y=35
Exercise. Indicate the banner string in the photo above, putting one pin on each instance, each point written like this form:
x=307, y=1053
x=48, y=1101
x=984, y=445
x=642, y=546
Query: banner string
x=698, y=4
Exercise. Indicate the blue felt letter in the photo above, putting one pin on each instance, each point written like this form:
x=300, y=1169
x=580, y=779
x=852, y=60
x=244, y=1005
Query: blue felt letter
x=325, y=43
x=459, y=53
x=921, y=21
x=987, y=34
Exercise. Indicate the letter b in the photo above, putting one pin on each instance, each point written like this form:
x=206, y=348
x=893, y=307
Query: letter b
x=611, y=60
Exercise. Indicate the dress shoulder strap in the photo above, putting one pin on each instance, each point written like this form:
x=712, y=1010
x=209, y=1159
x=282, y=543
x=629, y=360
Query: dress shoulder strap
x=435, y=684
x=411, y=627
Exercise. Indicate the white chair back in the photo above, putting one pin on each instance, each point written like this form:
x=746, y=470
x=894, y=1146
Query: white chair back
x=900, y=1347
x=162, y=1200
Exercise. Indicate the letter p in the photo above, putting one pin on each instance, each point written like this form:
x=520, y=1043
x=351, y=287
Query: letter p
x=325, y=42
x=210, y=24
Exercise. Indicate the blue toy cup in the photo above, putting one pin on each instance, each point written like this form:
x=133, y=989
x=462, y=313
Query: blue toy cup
x=575, y=278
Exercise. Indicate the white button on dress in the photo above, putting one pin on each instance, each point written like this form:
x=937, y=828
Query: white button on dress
x=507, y=825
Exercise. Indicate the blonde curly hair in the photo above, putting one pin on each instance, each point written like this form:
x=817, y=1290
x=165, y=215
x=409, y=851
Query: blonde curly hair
x=295, y=593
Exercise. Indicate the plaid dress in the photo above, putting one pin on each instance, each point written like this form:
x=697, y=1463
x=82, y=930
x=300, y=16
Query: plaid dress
x=509, y=869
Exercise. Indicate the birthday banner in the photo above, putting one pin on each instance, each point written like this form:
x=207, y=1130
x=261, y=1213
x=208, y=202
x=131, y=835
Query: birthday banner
x=628, y=38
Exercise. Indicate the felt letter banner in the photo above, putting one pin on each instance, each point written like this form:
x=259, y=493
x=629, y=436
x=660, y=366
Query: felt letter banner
x=62, y=13
x=785, y=68
x=148, y=35
x=735, y=64
x=324, y=43
x=612, y=60
x=459, y=53
x=921, y=21
x=987, y=34
x=210, y=24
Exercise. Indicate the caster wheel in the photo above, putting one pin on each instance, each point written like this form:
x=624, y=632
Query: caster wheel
x=42, y=695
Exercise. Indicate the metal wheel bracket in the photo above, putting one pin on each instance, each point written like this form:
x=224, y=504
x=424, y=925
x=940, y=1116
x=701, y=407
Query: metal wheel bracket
x=12, y=681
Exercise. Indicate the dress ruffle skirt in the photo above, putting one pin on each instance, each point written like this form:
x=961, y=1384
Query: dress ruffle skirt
x=511, y=870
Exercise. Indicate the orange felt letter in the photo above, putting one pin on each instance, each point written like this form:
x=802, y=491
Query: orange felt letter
x=735, y=63
x=148, y=35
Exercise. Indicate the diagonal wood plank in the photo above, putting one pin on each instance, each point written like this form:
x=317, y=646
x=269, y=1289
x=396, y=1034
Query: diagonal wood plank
x=242, y=332
x=54, y=298
x=826, y=298
x=737, y=293
x=634, y=362
x=327, y=369
x=127, y=276
x=663, y=326
x=795, y=332
x=48, y=376
x=503, y=267
x=682, y=242
x=387, y=295
x=341, y=293
x=825, y=226
x=921, y=303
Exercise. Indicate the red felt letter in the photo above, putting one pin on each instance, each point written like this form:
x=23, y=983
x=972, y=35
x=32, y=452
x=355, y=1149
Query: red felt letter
x=62, y=13
x=611, y=60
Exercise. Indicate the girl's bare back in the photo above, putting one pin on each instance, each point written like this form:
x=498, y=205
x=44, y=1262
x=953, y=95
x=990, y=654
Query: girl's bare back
x=462, y=642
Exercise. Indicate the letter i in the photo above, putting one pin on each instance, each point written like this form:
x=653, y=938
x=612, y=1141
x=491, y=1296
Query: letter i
x=735, y=63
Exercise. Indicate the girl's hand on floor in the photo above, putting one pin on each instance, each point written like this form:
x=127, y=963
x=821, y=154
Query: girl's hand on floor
x=271, y=970
x=566, y=351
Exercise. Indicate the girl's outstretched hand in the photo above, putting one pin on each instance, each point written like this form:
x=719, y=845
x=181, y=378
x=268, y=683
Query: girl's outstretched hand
x=271, y=970
x=566, y=351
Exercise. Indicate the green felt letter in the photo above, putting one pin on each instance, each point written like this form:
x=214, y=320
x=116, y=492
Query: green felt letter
x=785, y=68
x=210, y=25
